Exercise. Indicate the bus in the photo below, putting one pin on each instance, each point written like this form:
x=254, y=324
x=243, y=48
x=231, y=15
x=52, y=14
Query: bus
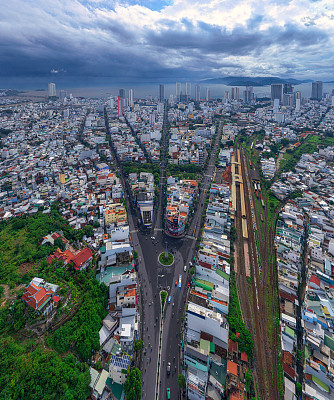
x=180, y=281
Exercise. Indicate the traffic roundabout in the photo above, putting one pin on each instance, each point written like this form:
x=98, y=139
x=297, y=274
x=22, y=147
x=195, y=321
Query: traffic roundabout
x=166, y=259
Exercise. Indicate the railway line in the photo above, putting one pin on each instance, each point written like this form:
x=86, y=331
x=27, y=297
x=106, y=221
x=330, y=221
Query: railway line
x=255, y=311
x=266, y=255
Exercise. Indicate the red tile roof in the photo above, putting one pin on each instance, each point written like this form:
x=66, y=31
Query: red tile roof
x=68, y=257
x=82, y=257
x=289, y=371
x=287, y=358
x=232, y=368
x=56, y=299
x=35, y=296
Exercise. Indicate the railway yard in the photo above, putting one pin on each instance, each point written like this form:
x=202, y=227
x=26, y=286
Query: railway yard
x=254, y=267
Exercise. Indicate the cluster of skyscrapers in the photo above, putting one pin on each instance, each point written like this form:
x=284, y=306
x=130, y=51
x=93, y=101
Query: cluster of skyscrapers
x=283, y=94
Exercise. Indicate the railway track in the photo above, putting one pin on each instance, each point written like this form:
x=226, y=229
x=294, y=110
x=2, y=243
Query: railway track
x=265, y=358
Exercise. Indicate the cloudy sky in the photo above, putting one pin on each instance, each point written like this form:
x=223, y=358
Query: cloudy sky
x=161, y=40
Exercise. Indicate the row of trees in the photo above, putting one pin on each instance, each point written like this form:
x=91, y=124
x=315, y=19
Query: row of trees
x=238, y=329
x=131, y=167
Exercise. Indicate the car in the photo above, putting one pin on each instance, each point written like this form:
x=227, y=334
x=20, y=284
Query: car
x=188, y=284
x=175, y=283
x=168, y=394
x=145, y=350
x=168, y=368
x=152, y=237
x=185, y=268
x=169, y=299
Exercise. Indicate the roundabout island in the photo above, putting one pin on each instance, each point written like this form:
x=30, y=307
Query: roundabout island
x=166, y=259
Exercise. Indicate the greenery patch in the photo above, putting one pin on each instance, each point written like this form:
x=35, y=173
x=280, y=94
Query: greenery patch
x=166, y=260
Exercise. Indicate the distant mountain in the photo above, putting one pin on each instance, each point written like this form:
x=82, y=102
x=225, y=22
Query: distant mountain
x=252, y=81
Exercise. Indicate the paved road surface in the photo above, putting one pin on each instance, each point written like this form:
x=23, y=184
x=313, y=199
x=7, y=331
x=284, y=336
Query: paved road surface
x=154, y=277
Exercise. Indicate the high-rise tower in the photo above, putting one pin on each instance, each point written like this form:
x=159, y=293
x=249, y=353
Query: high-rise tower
x=131, y=97
x=52, y=89
x=197, y=92
x=178, y=91
x=188, y=90
x=235, y=93
x=207, y=94
x=277, y=91
x=161, y=93
x=316, y=90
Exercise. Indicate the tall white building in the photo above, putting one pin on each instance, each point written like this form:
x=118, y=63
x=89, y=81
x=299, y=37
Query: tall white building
x=197, y=92
x=188, y=89
x=131, y=97
x=297, y=104
x=52, y=89
x=178, y=90
x=235, y=93
x=207, y=94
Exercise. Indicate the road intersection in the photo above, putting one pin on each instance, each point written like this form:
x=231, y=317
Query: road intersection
x=153, y=277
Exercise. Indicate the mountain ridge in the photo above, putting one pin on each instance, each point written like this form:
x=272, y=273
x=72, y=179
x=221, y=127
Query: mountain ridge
x=253, y=81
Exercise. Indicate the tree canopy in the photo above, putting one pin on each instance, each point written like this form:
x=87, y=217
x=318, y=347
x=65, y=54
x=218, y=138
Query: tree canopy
x=133, y=385
x=39, y=374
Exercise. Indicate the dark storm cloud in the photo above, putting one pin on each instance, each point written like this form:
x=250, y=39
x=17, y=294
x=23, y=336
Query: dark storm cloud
x=213, y=39
x=99, y=44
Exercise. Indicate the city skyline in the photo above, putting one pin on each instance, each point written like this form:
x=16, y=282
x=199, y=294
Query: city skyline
x=157, y=41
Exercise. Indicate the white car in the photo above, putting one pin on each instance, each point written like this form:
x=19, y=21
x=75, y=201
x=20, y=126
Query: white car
x=152, y=237
x=185, y=268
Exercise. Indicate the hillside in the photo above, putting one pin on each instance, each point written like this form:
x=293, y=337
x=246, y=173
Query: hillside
x=38, y=362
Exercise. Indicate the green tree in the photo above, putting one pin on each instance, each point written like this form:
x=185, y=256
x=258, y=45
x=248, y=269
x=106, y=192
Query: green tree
x=181, y=381
x=192, y=270
x=133, y=385
x=39, y=374
x=59, y=243
x=163, y=296
x=139, y=345
x=88, y=230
